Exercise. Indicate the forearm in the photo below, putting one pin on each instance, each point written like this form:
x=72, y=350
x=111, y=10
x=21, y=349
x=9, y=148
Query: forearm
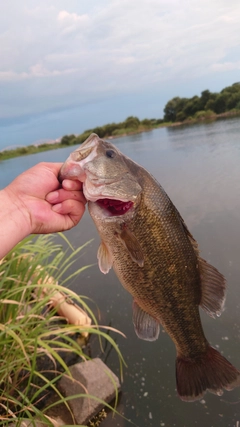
x=13, y=224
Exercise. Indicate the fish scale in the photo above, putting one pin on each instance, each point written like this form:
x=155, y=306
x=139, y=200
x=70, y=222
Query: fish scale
x=145, y=240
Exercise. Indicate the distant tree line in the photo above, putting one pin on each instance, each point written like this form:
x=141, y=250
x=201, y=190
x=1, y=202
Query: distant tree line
x=177, y=109
x=180, y=109
x=131, y=125
x=206, y=106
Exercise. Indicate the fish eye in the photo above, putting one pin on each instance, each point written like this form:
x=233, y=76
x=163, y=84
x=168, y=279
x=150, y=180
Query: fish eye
x=110, y=153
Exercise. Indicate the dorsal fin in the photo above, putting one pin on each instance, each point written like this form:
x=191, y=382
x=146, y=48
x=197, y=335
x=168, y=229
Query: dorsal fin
x=213, y=283
x=213, y=287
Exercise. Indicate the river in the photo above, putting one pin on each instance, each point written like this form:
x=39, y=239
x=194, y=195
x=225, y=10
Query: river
x=199, y=167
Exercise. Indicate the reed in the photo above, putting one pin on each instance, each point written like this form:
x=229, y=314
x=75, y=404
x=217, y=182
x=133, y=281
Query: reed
x=34, y=341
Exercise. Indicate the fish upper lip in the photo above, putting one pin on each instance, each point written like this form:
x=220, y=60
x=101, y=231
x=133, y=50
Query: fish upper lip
x=95, y=199
x=98, y=180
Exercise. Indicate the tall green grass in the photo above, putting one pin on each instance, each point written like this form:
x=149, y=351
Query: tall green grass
x=34, y=343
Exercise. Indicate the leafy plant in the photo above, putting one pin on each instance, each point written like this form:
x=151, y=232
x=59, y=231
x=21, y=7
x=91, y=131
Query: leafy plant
x=35, y=345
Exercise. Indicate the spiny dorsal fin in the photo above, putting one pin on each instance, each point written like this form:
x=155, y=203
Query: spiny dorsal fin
x=213, y=286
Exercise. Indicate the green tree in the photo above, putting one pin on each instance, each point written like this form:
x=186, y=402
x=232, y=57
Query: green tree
x=205, y=96
x=238, y=106
x=146, y=123
x=99, y=131
x=110, y=128
x=174, y=106
x=233, y=100
x=231, y=89
x=220, y=104
x=191, y=107
x=67, y=139
x=181, y=116
x=131, y=122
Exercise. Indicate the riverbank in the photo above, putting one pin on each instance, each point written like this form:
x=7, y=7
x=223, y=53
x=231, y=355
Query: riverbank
x=207, y=118
x=66, y=141
x=45, y=331
x=77, y=140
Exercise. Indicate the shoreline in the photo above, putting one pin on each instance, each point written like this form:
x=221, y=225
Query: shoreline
x=211, y=118
x=32, y=149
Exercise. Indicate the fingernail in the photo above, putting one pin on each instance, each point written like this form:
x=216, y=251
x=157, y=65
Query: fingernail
x=67, y=185
x=57, y=207
x=52, y=196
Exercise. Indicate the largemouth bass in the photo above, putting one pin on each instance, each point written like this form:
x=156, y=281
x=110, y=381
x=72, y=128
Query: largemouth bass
x=145, y=240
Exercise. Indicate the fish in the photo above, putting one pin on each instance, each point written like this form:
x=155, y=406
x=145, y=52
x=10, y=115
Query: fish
x=157, y=260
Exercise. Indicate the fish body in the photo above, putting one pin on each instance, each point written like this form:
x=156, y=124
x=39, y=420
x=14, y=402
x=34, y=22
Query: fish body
x=145, y=240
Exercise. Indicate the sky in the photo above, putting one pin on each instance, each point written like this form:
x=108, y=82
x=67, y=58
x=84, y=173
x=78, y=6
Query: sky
x=70, y=65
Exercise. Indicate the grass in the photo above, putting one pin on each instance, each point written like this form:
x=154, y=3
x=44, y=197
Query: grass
x=29, y=149
x=34, y=343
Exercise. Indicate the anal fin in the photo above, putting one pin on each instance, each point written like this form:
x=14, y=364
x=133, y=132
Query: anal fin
x=146, y=327
x=213, y=286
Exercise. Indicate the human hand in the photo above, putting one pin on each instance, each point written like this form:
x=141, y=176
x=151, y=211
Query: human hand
x=45, y=205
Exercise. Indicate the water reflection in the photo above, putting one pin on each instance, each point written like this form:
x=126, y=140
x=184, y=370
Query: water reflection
x=199, y=168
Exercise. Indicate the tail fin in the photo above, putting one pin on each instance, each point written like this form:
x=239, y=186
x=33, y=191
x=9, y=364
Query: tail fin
x=210, y=372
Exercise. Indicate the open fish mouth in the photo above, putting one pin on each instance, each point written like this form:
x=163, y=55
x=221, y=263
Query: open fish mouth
x=114, y=207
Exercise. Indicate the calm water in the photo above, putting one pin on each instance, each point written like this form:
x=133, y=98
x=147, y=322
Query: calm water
x=199, y=167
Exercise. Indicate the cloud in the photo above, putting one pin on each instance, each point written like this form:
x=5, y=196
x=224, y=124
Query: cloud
x=75, y=53
x=38, y=70
x=226, y=66
x=72, y=21
x=65, y=16
x=12, y=75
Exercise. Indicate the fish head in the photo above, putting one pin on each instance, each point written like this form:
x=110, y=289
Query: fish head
x=106, y=175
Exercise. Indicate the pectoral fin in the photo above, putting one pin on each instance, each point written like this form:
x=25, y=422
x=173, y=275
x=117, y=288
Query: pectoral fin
x=132, y=245
x=104, y=258
x=146, y=327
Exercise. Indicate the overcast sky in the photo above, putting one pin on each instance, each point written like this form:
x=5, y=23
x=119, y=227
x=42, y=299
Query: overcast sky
x=68, y=65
